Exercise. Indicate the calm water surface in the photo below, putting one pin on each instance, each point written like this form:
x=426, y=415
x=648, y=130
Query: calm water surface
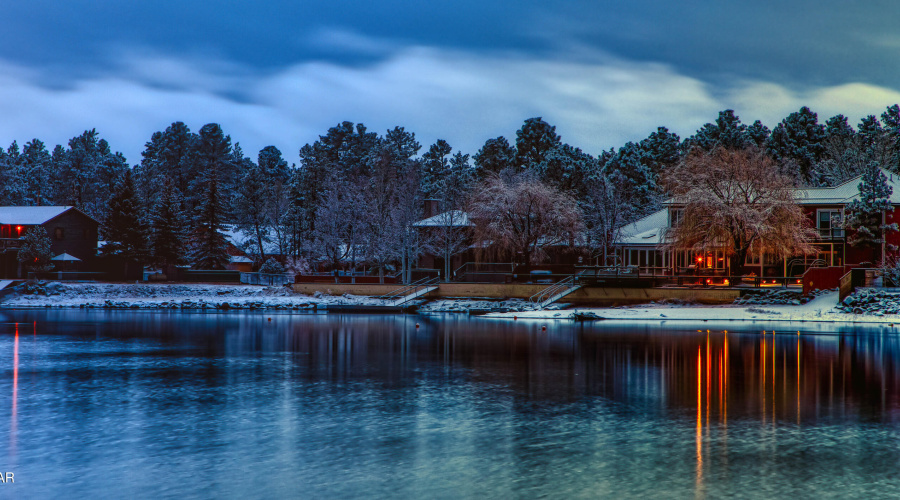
x=234, y=405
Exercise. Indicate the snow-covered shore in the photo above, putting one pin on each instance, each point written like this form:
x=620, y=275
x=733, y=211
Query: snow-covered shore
x=171, y=296
x=823, y=308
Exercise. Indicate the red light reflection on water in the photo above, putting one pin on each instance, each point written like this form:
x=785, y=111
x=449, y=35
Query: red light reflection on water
x=15, y=393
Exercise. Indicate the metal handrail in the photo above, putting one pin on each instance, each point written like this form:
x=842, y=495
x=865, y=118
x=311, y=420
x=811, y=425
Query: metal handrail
x=456, y=272
x=553, y=289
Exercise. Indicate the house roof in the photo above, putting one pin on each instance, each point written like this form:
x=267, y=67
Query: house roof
x=646, y=230
x=845, y=192
x=451, y=218
x=239, y=239
x=649, y=230
x=30, y=216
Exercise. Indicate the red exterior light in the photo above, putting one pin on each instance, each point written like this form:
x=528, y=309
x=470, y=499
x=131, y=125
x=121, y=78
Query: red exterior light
x=18, y=229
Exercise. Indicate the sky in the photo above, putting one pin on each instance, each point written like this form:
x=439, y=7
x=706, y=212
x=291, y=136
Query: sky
x=282, y=72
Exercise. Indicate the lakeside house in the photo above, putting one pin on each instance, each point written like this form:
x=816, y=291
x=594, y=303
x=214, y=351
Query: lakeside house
x=642, y=242
x=71, y=232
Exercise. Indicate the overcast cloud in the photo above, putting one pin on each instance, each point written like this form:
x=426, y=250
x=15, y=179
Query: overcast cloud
x=604, y=74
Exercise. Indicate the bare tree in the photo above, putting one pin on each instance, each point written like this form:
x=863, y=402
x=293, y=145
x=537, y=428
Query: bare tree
x=523, y=216
x=608, y=208
x=733, y=200
x=340, y=222
x=449, y=236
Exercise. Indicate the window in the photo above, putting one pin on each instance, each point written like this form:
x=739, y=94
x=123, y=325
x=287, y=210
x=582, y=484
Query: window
x=59, y=233
x=828, y=223
x=675, y=216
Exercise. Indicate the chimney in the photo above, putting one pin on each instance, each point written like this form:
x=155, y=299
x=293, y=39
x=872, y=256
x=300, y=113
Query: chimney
x=430, y=208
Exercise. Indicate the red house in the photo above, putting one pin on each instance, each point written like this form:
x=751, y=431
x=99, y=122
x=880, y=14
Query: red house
x=71, y=232
x=640, y=243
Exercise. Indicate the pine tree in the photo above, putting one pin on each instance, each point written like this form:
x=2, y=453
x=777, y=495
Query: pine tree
x=533, y=141
x=210, y=251
x=249, y=208
x=627, y=169
x=661, y=150
x=124, y=228
x=86, y=173
x=168, y=226
x=798, y=139
x=758, y=134
x=865, y=215
x=728, y=132
x=35, y=252
x=435, y=168
x=496, y=155
x=36, y=174
x=170, y=156
x=891, y=120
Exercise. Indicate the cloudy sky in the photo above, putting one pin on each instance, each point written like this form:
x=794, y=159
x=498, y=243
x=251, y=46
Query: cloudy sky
x=281, y=72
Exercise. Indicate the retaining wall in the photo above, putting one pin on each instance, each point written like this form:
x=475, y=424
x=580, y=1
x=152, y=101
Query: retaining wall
x=592, y=295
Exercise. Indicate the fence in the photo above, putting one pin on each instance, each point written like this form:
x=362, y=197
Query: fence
x=362, y=279
x=198, y=276
x=267, y=279
x=68, y=276
x=856, y=278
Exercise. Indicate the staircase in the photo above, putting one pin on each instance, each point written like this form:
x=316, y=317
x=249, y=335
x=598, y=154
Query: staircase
x=409, y=292
x=555, y=292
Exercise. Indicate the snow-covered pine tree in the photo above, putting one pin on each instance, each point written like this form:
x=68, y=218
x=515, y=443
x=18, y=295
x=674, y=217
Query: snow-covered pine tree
x=124, y=228
x=533, y=141
x=435, y=168
x=209, y=243
x=35, y=253
x=249, y=208
x=496, y=155
x=12, y=185
x=168, y=226
x=36, y=173
x=865, y=215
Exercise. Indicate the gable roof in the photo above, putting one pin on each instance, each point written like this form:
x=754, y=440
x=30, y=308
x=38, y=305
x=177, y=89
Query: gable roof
x=646, y=230
x=844, y=192
x=452, y=218
x=33, y=216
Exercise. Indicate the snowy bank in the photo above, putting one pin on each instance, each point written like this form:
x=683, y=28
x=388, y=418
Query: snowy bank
x=823, y=308
x=170, y=296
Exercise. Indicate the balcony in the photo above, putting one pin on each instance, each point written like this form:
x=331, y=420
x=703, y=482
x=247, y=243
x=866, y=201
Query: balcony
x=10, y=244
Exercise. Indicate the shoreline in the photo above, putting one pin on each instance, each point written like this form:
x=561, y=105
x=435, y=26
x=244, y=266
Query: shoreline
x=225, y=297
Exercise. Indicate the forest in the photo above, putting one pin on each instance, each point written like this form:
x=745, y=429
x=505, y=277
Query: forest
x=353, y=195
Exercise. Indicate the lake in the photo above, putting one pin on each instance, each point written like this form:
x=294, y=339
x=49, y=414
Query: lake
x=129, y=404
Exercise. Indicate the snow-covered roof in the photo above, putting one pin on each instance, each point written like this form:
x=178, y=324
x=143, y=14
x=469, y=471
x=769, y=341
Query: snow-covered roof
x=29, y=216
x=238, y=238
x=239, y=259
x=845, y=192
x=650, y=229
x=452, y=218
x=647, y=230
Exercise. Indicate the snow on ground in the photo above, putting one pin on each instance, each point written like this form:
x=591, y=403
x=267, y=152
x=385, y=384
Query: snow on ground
x=170, y=296
x=823, y=308
x=820, y=309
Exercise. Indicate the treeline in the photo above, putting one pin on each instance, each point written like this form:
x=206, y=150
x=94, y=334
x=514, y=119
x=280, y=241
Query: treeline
x=355, y=193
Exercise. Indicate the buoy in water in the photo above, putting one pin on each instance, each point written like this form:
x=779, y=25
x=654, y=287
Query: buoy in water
x=543, y=328
x=270, y=319
x=417, y=325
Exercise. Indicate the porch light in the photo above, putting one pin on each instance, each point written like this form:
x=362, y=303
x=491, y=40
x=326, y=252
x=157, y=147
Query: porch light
x=18, y=229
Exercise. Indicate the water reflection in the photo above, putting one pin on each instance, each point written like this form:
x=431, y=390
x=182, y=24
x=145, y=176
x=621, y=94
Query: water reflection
x=411, y=406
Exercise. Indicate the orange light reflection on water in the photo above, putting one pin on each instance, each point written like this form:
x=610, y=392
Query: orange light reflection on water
x=699, y=437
